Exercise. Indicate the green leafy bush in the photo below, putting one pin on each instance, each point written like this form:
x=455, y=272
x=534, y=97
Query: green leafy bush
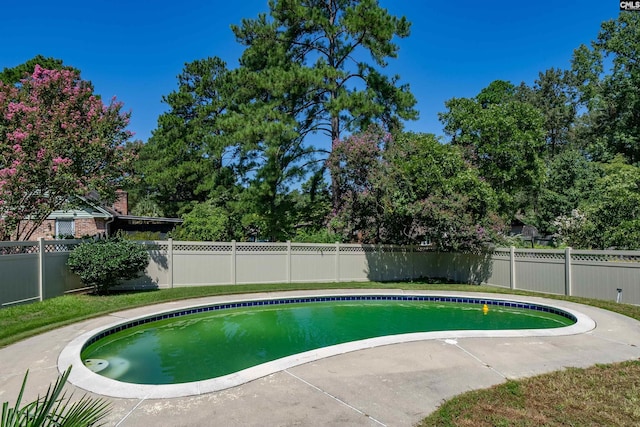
x=143, y=235
x=317, y=236
x=104, y=263
x=205, y=222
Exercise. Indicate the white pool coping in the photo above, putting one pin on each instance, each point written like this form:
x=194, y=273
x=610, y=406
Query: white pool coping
x=83, y=377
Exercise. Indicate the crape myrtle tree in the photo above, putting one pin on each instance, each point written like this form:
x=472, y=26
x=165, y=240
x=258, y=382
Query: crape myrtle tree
x=358, y=172
x=15, y=74
x=411, y=188
x=438, y=196
x=57, y=140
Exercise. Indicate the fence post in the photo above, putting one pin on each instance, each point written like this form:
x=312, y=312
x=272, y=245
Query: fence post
x=337, y=261
x=512, y=267
x=170, y=262
x=567, y=272
x=288, y=261
x=41, y=268
x=412, y=262
x=233, y=262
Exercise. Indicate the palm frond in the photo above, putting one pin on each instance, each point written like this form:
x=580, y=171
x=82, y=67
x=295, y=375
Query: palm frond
x=54, y=409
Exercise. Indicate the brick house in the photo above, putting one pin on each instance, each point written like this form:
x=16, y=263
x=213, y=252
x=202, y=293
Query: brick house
x=91, y=219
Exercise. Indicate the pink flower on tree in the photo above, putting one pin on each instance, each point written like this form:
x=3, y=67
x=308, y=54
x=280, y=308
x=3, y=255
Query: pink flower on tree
x=17, y=136
x=60, y=140
x=60, y=160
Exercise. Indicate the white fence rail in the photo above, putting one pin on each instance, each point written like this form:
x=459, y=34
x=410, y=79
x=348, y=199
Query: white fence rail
x=31, y=271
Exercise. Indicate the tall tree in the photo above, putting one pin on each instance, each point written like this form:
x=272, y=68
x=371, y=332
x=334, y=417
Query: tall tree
x=498, y=92
x=57, y=140
x=611, y=95
x=303, y=71
x=307, y=62
x=358, y=171
x=182, y=163
x=553, y=94
x=504, y=138
x=271, y=156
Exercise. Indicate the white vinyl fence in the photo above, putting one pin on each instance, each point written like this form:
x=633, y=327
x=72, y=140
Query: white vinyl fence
x=31, y=271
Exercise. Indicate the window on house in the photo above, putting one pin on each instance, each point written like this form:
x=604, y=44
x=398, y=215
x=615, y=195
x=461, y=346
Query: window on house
x=65, y=228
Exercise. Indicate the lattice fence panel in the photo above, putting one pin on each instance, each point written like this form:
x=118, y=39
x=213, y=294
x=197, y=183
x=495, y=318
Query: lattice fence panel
x=19, y=249
x=261, y=248
x=60, y=247
x=540, y=256
x=606, y=257
x=501, y=254
x=354, y=249
x=313, y=249
x=202, y=248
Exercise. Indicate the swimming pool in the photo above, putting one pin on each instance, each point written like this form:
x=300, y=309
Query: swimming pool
x=175, y=356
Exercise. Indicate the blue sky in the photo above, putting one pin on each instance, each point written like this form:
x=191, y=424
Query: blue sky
x=134, y=49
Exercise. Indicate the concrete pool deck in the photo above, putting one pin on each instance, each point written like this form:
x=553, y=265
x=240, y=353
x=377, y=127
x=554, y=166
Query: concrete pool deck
x=393, y=385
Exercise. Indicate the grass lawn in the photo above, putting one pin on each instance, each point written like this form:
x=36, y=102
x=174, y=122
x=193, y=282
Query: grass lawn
x=603, y=395
x=600, y=395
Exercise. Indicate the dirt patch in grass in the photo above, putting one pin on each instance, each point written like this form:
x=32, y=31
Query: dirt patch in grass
x=603, y=395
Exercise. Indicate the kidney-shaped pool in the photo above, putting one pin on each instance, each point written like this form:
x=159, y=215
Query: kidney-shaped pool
x=231, y=341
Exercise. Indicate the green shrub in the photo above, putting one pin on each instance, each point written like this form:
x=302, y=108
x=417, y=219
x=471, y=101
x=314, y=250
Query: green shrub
x=205, y=222
x=143, y=235
x=104, y=263
x=317, y=236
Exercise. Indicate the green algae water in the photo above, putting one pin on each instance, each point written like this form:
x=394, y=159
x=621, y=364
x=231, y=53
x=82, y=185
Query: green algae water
x=207, y=345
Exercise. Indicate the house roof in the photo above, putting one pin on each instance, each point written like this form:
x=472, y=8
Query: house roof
x=87, y=211
x=148, y=218
x=92, y=209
